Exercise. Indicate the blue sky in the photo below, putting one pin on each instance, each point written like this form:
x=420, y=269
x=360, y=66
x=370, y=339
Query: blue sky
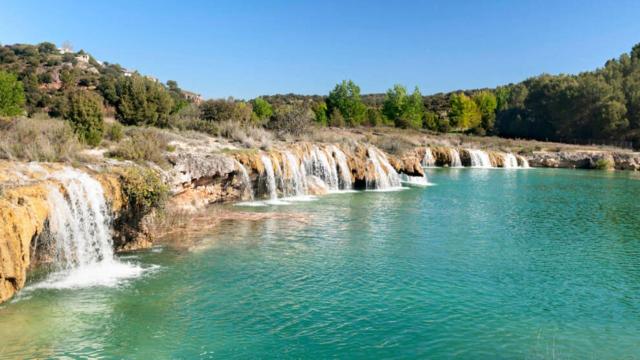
x=250, y=48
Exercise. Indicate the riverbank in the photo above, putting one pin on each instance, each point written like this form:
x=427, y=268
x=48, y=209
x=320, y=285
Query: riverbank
x=196, y=171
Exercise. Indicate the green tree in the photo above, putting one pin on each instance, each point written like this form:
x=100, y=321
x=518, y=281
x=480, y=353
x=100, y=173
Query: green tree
x=464, y=113
x=12, y=97
x=404, y=110
x=487, y=104
x=141, y=101
x=345, y=98
x=262, y=109
x=320, y=112
x=84, y=112
x=374, y=117
x=217, y=110
x=430, y=120
x=336, y=119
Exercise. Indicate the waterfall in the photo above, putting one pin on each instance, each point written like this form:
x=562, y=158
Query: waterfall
x=455, y=158
x=246, y=181
x=80, y=221
x=428, y=160
x=343, y=168
x=509, y=161
x=386, y=175
x=270, y=177
x=298, y=177
x=525, y=163
x=318, y=164
x=415, y=180
x=80, y=234
x=479, y=159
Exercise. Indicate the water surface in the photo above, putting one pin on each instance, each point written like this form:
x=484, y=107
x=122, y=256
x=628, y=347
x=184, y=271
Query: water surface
x=486, y=264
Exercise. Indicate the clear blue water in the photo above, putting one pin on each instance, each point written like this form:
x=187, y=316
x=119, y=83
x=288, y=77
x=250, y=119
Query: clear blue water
x=487, y=264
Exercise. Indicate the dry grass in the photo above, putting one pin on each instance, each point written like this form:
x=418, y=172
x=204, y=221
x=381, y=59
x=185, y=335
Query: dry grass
x=40, y=139
x=141, y=145
x=248, y=136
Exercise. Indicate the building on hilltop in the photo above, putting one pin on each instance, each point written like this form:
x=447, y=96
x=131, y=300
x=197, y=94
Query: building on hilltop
x=84, y=58
x=192, y=97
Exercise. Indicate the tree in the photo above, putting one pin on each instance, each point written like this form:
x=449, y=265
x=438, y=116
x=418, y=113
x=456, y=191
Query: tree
x=405, y=111
x=141, y=101
x=262, y=109
x=84, y=112
x=12, y=97
x=487, y=103
x=464, y=112
x=345, y=98
x=179, y=100
x=46, y=48
x=336, y=119
x=374, y=117
x=217, y=110
x=291, y=119
x=430, y=120
x=320, y=111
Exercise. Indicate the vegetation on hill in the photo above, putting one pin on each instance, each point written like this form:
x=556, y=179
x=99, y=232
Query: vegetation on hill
x=597, y=106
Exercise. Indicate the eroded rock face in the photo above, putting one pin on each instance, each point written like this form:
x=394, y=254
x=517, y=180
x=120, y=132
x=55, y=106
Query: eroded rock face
x=585, y=160
x=196, y=180
x=23, y=212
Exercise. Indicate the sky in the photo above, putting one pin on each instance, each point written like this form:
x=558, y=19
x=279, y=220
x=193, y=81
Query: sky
x=250, y=48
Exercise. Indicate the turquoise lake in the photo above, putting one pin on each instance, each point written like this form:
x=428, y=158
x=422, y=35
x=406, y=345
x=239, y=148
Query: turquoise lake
x=486, y=264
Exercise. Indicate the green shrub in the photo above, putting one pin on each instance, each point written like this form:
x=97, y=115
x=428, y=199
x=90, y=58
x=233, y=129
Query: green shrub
x=12, y=97
x=143, y=189
x=84, y=111
x=604, y=164
x=114, y=132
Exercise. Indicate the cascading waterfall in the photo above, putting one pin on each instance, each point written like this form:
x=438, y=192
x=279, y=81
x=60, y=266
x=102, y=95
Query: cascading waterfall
x=428, y=160
x=343, y=168
x=455, y=158
x=480, y=159
x=80, y=221
x=525, y=163
x=318, y=164
x=298, y=177
x=246, y=181
x=415, y=180
x=270, y=177
x=386, y=175
x=509, y=161
x=80, y=232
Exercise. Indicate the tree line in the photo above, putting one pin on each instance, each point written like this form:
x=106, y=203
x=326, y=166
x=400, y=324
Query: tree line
x=603, y=104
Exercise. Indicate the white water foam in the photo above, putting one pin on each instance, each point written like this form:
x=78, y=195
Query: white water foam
x=419, y=181
x=455, y=158
x=510, y=161
x=429, y=160
x=386, y=176
x=80, y=229
x=479, y=159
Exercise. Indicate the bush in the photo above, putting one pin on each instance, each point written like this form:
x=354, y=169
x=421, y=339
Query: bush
x=114, y=132
x=12, y=98
x=38, y=140
x=84, y=111
x=262, y=109
x=293, y=120
x=217, y=110
x=143, y=189
x=604, y=164
x=143, y=144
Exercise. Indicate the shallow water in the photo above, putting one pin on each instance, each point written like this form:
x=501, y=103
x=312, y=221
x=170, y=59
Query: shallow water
x=485, y=264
